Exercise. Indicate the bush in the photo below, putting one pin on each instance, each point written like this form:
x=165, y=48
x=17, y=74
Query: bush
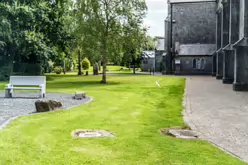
x=58, y=70
x=5, y=72
x=86, y=64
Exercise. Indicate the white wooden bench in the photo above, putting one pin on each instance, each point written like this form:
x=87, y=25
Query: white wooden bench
x=26, y=83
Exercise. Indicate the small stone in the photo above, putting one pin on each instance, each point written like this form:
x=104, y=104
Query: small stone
x=46, y=106
x=55, y=104
x=42, y=106
x=95, y=69
x=80, y=95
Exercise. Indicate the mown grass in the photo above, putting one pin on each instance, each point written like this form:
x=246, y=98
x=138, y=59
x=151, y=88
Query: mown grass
x=133, y=108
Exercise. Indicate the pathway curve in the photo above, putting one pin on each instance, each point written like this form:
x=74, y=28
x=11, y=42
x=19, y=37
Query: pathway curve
x=23, y=104
x=218, y=114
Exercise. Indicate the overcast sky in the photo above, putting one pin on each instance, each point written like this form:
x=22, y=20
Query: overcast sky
x=157, y=12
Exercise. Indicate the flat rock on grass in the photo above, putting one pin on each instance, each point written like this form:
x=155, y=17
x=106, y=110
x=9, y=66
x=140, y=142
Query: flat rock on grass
x=182, y=134
x=92, y=134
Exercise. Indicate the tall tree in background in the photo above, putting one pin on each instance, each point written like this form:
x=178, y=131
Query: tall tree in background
x=105, y=20
x=134, y=39
x=32, y=33
x=149, y=43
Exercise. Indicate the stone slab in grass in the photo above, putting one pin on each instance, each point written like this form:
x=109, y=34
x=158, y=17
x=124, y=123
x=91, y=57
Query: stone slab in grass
x=91, y=134
x=182, y=134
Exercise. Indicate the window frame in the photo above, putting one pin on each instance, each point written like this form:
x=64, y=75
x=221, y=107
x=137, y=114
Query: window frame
x=194, y=63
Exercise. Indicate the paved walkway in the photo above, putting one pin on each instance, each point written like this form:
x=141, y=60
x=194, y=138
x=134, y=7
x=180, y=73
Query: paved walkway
x=218, y=114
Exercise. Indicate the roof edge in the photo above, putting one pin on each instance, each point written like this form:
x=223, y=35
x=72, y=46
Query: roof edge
x=188, y=1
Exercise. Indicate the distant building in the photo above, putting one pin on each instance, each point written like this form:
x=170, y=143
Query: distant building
x=194, y=59
x=148, y=60
x=193, y=26
x=160, y=55
x=231, y=58
x=190, y=33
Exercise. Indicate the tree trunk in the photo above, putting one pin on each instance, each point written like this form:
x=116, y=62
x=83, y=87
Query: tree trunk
x=64, y=66
x=79, y=63
x=99, y=65
x=134, y=69
x=134, y=61
x=104, y=61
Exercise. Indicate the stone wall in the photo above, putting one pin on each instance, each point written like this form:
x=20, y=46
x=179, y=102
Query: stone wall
x=166, y=24
x=158, y=61
x=186, y=65
x=147, y=64
x=194, y=23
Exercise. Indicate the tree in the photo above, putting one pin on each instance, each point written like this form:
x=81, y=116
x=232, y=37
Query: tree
x=133, y=42
x=104, y=21
x=32, y=33
x=149, y=43
x=86, y=64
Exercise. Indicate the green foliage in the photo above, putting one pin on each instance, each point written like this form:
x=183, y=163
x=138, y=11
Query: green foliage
x=32, y=33
x=4, y=71
x=58, y=70
x=27, y=69
x=85, y=64
x=150, y=43
x=100, y=25
x=162, y=66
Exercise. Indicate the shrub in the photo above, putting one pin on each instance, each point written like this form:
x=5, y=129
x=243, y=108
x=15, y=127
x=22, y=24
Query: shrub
x=58, y=70
x=86, y=64
x=162, y=67
x=5, y=72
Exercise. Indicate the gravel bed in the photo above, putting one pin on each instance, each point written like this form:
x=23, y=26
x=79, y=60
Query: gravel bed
x=24, y=104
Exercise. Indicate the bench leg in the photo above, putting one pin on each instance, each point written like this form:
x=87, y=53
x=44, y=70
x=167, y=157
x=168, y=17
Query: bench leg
x=8, y=93
x=42, y=94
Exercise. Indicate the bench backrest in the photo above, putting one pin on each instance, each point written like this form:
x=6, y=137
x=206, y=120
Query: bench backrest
x=27, y=80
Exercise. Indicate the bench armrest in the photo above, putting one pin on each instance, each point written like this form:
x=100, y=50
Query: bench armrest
x=8, y=85
x=43, y=88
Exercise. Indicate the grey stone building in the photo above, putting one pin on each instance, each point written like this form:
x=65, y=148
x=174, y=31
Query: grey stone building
x=194, y=59
x=206, y=22
x=231, y=58
x=190, y=36
x=160, y=55
x=148, y=60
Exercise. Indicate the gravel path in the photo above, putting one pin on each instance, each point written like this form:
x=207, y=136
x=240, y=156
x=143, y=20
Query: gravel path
x=218, y=114
x=24, y=104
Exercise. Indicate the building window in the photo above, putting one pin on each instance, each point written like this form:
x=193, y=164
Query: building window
x=145, y=62
x=202, y=63
x=194, y=63
x=198, y=63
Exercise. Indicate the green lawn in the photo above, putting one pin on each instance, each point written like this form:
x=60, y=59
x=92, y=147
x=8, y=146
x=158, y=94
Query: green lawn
x=133, y=108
